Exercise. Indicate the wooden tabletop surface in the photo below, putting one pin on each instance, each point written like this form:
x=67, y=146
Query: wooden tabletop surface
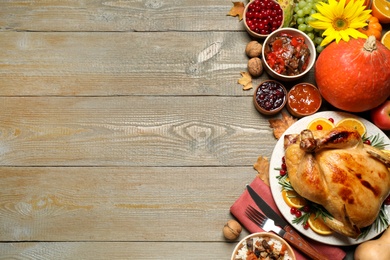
x=123, y=131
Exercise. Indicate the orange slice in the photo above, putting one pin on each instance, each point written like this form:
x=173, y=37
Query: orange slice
x=381, y=10
x=318, y=225
x=353, y=123
x=386, y=40
x=320, y=124
x=293, y=199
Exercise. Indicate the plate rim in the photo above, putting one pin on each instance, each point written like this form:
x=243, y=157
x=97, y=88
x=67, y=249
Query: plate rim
x=334, y=239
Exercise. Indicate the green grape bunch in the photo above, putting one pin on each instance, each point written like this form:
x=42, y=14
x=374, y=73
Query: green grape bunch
x=303, y=9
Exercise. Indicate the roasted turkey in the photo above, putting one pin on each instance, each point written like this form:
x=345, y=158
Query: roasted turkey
x=338, y=171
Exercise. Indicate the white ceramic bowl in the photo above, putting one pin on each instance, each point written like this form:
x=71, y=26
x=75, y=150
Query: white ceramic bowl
x=272, y=236
x=295, y=33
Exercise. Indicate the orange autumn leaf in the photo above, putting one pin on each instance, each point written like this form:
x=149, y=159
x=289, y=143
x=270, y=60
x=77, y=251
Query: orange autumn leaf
x=237, y=10
x=280, y=125
x=246, y=81
x=262, y=168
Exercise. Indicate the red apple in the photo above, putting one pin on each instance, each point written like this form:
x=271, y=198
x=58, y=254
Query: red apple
x=380, y=115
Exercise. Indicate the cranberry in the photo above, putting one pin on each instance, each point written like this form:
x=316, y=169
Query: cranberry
x=368, y=142
x=298, y=213
x=319, y=127
x=331, y=120
x=306, y=225
x=264, y=16
x=306, y=209
x=293, y=211
x=282, y=172
x=284, y=166
x=387, y=201
x=270, y=95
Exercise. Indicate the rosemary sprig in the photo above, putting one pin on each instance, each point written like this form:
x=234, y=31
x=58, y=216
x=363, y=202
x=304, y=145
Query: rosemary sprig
x=375, y=141
x=284, y=182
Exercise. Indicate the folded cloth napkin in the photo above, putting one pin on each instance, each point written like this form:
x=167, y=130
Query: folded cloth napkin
x=238, y=210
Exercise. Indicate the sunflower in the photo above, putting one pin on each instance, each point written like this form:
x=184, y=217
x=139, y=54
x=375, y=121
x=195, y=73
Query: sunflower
x=340, y=21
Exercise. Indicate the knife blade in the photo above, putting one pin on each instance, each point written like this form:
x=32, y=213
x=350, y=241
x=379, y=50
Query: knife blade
x=279, y=221
x=291, y=235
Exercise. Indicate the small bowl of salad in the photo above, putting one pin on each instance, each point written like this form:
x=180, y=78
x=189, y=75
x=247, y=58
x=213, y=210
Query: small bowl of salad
x=288, y=54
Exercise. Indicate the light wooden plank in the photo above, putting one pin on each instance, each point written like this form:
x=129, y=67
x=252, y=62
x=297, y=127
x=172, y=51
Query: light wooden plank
x=110, y=64
x=120, y=250
x=132, y=131
x=118, y=204
x=117, y=15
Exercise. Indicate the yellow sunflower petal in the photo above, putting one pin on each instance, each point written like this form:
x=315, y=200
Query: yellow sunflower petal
x=319, y=25
x=325, y=11
x=320, y=17
x=327, y=40
x=344, y=35
x=339, y=9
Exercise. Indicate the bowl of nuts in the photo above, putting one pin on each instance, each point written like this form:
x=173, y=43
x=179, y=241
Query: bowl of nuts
x=270, y=97
x=261, y=17
x=263, y=245
x=288, y=54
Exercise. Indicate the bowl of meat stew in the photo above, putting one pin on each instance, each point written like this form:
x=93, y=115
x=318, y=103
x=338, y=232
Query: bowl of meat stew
x=288, y=54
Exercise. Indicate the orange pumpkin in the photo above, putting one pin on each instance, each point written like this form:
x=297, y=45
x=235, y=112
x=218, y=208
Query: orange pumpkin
x=354, y=76
x=373, y=28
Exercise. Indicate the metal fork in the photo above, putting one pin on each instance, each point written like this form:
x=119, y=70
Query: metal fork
x=261, y=220
x=289, y=234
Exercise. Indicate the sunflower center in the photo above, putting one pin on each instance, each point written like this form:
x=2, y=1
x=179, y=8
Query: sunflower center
x=340, y=23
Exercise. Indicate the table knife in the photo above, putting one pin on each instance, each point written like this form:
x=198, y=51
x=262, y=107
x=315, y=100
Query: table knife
x=291, y=235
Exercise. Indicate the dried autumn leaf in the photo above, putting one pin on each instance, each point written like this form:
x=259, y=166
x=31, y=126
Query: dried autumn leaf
x=280, y=125
x=237, y=10
x=262, y=168
x=246, y=80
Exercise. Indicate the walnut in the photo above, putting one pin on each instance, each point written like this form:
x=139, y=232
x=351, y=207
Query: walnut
x=253, y=49
x=255, y=67
x=232, y=230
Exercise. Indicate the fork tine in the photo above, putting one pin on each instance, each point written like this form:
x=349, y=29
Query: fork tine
x=257, y=213
x=254, y=216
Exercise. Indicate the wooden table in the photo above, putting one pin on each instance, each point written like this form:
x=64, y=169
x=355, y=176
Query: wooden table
x=123, y=131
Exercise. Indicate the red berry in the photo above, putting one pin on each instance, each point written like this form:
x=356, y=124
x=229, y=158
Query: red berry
x=306, y=226
x=319, y=127
x=368, y=142
x=306, y=209
x=387, y=201
x=282, y=172
x=293, y=210
x=331, y=120
x=298, y=213
x=284, y=166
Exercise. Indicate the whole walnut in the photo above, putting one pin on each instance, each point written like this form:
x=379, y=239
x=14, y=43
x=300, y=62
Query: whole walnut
x=253, y=49
x=255, y=67
x=232, y=230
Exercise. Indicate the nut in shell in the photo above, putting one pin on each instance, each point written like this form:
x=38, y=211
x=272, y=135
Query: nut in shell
x=253, y=49
x=232, y=230
x=255, y=67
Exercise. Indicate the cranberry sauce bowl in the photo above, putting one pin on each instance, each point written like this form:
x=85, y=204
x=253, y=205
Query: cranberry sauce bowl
x=261, y=17
x=270, y=97
x=288, y=54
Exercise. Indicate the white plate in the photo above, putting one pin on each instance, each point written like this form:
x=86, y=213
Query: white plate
x=276, y=159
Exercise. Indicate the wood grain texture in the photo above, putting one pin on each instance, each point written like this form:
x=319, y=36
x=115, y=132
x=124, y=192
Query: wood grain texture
x=74, y=64
x=132, y=131
x=117, y=15
x=118, y=203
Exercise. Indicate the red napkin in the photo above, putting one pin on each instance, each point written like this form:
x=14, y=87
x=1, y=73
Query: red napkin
x=238, y=210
